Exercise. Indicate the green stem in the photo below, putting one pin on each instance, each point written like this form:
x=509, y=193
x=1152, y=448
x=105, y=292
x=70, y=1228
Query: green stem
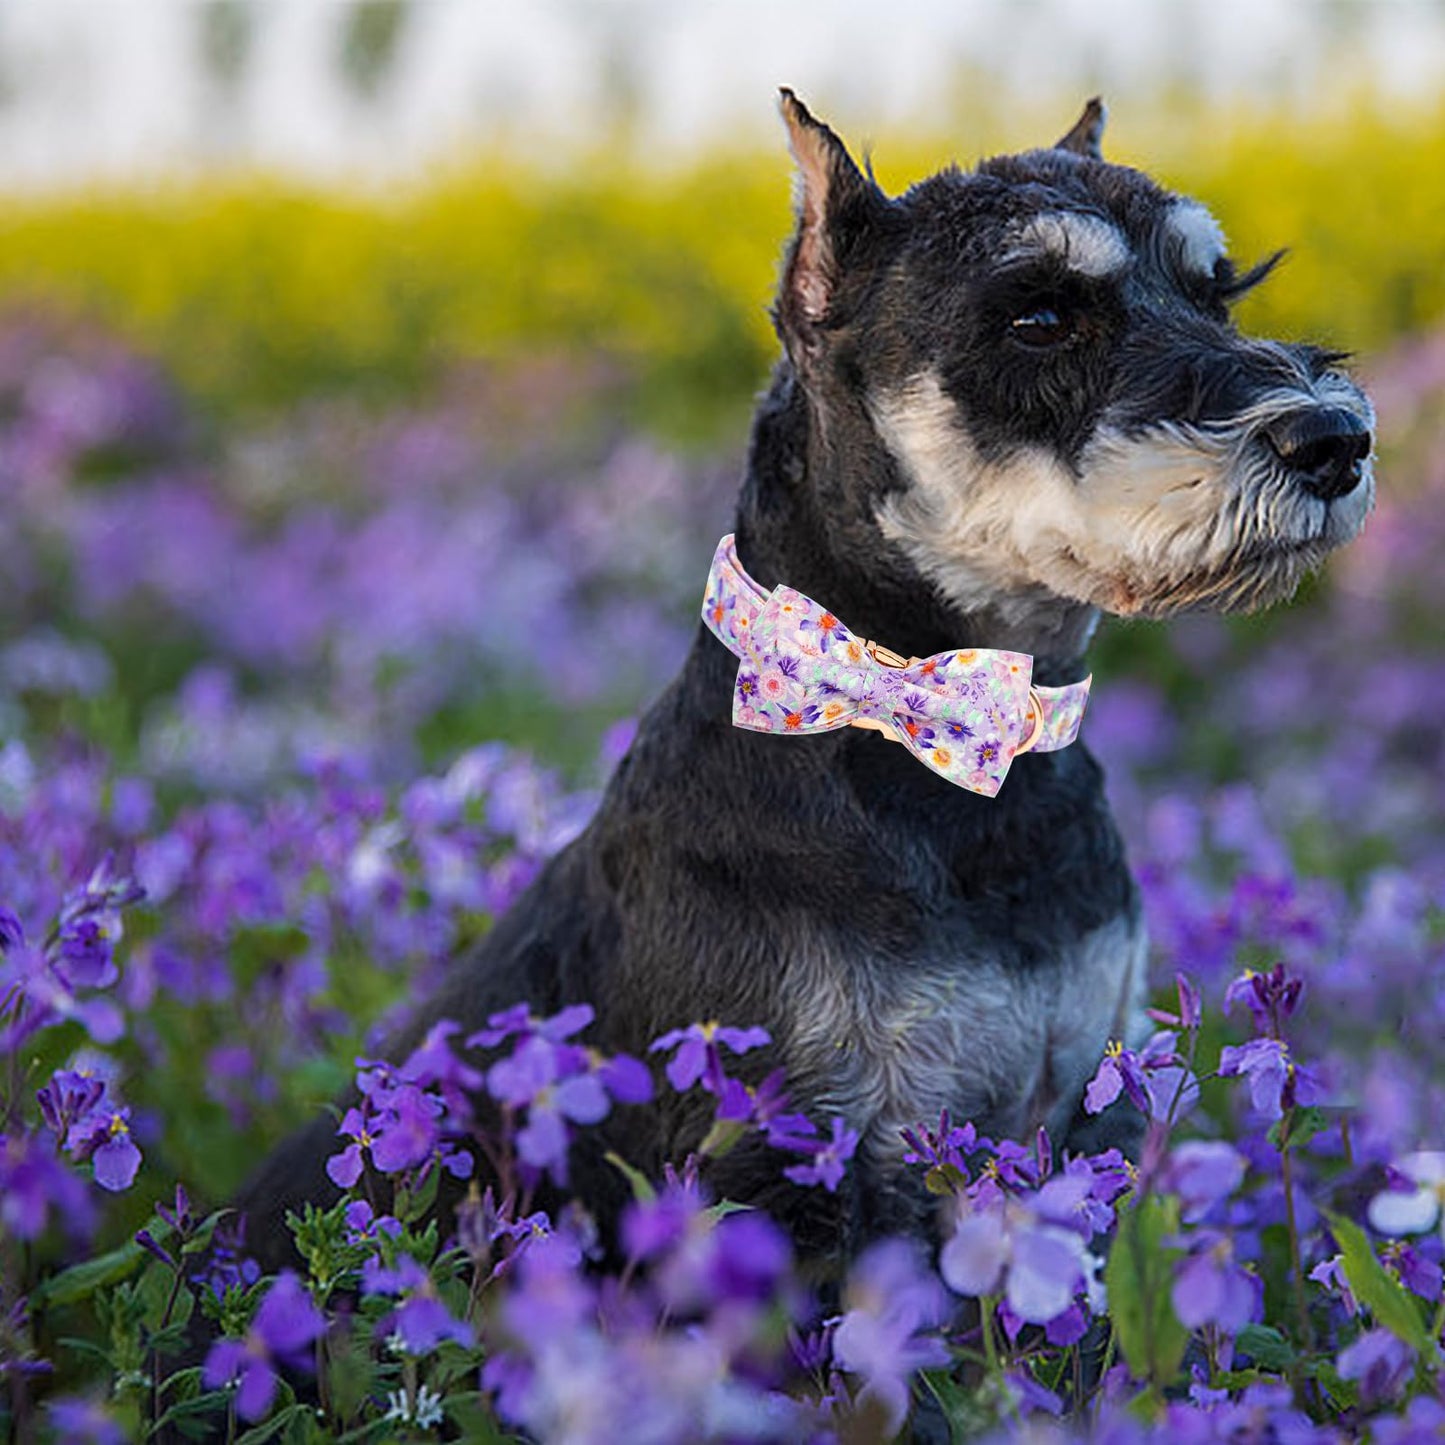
x=1296, y=1261
x=176, y=1277
x=989, y=1303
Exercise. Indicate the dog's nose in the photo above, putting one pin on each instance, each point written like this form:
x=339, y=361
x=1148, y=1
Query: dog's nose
x=1324, y=446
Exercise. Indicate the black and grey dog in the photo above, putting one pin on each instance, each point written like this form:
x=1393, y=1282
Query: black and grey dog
x=1009, y=400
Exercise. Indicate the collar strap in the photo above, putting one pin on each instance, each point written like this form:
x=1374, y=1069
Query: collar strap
x=966, y=713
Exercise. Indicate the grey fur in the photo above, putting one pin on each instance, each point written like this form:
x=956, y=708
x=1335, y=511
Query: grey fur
x=1009, y=399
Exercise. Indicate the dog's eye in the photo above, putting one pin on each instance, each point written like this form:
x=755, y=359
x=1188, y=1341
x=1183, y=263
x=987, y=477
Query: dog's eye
x=1043, y=326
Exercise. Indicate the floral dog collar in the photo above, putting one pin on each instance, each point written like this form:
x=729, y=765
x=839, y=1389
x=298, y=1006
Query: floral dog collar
x=967, y=714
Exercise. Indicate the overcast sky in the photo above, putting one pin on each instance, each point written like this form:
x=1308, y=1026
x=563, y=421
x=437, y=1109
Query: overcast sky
x=127, y=88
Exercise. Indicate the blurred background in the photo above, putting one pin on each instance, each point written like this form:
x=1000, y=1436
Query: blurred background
x=348, y=347
x=374, y=378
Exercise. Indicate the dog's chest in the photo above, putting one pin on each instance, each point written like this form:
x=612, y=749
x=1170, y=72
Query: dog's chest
x=1008, y=1047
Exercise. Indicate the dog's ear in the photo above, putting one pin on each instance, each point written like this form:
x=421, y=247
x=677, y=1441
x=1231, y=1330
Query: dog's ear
x=837, y=209
x=1088, y=132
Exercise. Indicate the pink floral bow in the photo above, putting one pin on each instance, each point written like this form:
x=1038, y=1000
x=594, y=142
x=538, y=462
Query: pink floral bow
x=967, y=714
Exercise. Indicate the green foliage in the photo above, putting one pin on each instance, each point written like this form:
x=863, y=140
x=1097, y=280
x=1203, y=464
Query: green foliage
x=1141, y=1263
x=1384, y=1296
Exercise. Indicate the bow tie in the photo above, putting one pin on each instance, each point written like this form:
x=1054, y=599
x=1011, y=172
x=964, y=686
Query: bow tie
x=967, y=713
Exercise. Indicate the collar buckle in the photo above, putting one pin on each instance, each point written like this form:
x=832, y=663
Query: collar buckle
x=885, y=656
x=1036, y=712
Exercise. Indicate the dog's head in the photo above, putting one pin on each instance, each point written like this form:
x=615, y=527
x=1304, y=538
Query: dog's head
x=1043, y=349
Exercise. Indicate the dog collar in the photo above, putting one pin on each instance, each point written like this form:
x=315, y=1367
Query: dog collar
x=967, y=713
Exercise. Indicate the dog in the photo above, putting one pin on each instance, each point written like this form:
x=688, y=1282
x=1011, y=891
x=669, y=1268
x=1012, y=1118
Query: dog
x=1009, y=400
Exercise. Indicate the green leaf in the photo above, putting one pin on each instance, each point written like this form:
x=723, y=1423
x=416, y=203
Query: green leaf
x=469, y=1413
x=1139, y=1275
x=270, y=1429
x=1295, y=1129
x=82, y=1280
x=413, y=1206
x=945, y=1179
x=184, y=1414
x=1240, y=1379
x=1266, y=1346
x=723, y=1208
x=723, y=1135
x=1387, y=1299
x=642, y=1189
x=201, y=1239
x=965, y=1409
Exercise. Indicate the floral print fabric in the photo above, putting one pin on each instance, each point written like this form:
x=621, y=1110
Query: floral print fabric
x=963, y=713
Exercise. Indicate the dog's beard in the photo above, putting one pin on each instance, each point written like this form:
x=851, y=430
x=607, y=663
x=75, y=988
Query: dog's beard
x=1159, y=520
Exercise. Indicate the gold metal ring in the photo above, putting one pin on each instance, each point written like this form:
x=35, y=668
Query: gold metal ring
x=1036, y=706
x=885, y=656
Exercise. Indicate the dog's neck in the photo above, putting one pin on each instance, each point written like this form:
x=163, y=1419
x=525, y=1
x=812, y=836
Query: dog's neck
x=805, y=518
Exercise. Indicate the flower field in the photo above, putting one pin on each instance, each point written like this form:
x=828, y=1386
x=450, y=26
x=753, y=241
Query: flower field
x=328, y=605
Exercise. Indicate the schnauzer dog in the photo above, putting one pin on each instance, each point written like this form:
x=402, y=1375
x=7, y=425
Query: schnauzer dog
x=1009, y=400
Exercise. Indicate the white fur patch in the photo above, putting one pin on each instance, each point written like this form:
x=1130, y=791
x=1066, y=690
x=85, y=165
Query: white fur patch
x=1087, y=244
x=1009, y=1048
x=1201, y=239
x=1177, y=517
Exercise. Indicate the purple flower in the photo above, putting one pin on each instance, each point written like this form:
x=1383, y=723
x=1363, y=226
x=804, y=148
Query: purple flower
x=1265, y=1064
x=285, y=1325
x=1423, y=1420
x=698, y=1054
x=1154, y=1079
x=1331, y=1274
x=364, y=1223
x=82, y=955
x=628, y=1080
x=1211, y=1289
x=227, y=1265
x=520, y=1020
x=1039, y=1265
x=652, y=1226
x=829, y=1158
x=1119, y=1072
x=406, y=1132
x=104, y=1139
x=1028, y=1396
x=950, y=1145
x=1202, y=1172
x=1420, y=1275
x=1380, y=1362
x=12, y=935
x=987, y=752
x=69, y=1097
x=344, y=1169
x=739, y=1259
x=1191, y=1006
x=433, y=1063
x=891, y=1297
x=555, y=1084
x=1417, y=1206
x=421, y=1321
x=1270, y=997
x=179, y=1215
x=766, y=1108
x=84, y=1422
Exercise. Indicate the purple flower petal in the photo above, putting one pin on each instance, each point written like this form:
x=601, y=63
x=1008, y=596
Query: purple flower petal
x=116, y=1161
x=972, y=1262
x=582, y=1099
